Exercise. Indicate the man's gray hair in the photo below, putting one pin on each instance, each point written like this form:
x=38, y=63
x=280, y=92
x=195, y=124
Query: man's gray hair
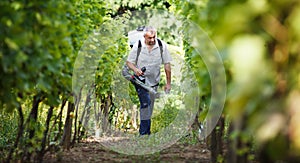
x=150, y=29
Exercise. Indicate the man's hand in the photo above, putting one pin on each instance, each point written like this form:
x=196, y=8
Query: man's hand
x=138, y=72
x=167, y=88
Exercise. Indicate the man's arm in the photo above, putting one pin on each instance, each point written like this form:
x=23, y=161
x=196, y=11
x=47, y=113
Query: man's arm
x=168, y=76
x=137, y=71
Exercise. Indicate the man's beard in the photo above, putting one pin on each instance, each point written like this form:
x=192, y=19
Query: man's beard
x=151, y=42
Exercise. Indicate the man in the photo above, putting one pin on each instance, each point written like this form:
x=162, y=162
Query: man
x=151, y=58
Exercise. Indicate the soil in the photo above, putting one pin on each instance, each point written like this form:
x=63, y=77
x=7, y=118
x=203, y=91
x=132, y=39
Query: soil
x=91, y=150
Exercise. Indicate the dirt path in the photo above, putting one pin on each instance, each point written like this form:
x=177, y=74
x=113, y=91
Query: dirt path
x=93, y=151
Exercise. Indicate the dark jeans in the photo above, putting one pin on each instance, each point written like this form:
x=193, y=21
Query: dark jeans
x=145, y=110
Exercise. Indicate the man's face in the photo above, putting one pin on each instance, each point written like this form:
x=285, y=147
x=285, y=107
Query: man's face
x=150, y=38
